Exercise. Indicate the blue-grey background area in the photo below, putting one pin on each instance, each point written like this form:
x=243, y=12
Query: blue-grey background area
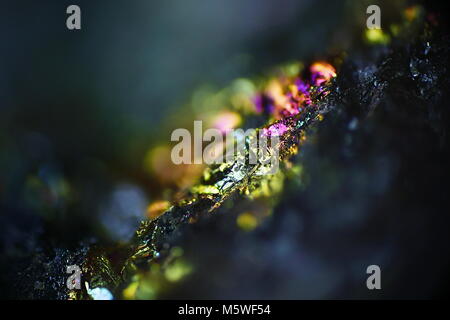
x=86, y=105
x=134, y=63
x=79, y=110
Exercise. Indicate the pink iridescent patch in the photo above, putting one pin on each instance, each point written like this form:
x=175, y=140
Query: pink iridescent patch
x=277, y=129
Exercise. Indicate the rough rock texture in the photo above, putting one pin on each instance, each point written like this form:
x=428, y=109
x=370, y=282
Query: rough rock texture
x=374, y=191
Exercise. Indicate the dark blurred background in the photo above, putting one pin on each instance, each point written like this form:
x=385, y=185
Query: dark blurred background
x=79, y=111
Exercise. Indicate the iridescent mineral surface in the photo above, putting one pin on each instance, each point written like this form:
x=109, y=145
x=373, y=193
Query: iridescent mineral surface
x=296, y=105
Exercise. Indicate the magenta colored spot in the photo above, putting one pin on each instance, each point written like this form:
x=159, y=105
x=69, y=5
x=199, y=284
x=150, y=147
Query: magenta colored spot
x=264, y=103
x=277, y=129
x=302, y=86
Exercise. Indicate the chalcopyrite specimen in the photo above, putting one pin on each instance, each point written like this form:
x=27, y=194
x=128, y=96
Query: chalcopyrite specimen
x=292, y=106
x=295, y=103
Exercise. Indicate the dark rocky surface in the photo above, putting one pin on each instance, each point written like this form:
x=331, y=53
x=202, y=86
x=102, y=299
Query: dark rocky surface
x=375, y=190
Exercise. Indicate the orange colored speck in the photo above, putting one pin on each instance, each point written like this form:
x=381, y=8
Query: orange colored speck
x=326, y=70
